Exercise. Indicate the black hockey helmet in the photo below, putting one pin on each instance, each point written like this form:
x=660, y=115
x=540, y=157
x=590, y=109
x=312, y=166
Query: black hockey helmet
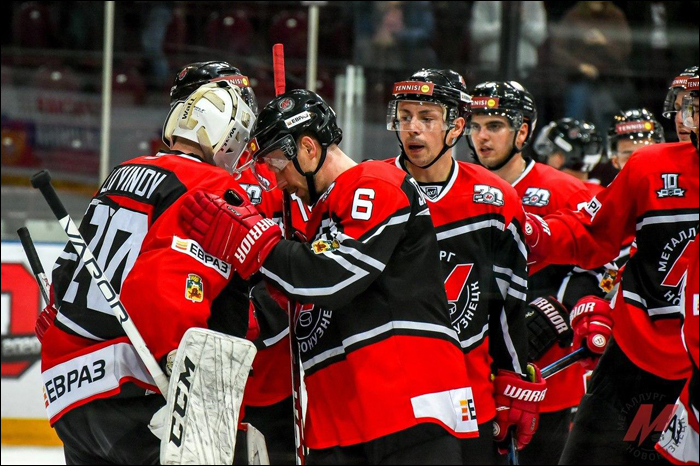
x=194, y=75
x=576, y=140
x=285, y=119
x=443, y=87
x=638, y=125
x=509, y=99
x=681, y=83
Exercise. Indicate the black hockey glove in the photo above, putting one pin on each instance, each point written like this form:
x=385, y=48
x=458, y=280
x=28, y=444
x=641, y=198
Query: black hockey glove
x=547, y=323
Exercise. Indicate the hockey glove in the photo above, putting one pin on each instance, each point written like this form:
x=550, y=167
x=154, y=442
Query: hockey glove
x=518, y=406
x=547, y=323
x=235, y=234
x=46, y=317
x=537, y=237
x=591, y=319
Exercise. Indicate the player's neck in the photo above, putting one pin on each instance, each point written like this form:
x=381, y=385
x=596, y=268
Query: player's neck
x=337, y=163
x=436, y=173
x=583, y=176
x=188, y=147
x=513, y=169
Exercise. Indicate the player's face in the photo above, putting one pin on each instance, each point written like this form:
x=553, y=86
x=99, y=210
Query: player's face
x=682, y=131
x=422, y=133
x=625, y=149
x=492, y=136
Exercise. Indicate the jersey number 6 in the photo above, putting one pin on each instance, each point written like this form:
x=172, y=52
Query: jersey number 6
x=362, y=204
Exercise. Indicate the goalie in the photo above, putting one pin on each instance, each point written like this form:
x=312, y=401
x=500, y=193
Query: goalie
x=98, y=394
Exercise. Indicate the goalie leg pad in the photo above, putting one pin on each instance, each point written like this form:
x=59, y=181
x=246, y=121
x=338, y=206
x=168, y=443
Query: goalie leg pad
x=204, y=398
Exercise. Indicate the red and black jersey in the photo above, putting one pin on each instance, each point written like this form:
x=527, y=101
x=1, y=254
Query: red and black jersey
x=166, y=281
x=377, y=346
x=655, y=198
x=545, y=190
x=478, y=219
x=270, y=378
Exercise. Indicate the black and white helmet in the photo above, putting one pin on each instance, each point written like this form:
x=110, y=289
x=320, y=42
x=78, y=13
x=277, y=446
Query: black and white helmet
x=189, y=78
x=576, y=140
x=638, y=125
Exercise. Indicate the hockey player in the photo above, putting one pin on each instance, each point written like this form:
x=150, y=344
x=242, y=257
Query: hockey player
x=674, y=96
x=95, y=385
x=630, y=130
x=384, y=371
x=573, y=147
x=644, y=367
x=680, y=439
x=478, y=219
x=268, y=392
x=501, y=124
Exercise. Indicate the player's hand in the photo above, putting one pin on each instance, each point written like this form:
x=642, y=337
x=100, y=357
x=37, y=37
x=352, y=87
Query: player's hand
x=46, y=317
x=237, y=234
x=591, y=319
x=547, y=323
x=517, y=405
x=537, y=237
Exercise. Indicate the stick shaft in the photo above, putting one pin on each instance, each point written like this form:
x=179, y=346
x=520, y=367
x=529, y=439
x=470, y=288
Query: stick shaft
x=35, y=264
x=563, y=363
x=280, y=86
x=42, y=181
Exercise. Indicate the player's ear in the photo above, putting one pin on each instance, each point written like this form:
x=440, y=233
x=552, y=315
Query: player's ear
x=457, y=130
x=308, y=146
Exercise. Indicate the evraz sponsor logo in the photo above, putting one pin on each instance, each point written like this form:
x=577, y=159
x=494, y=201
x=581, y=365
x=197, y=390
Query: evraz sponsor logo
x=194, y=250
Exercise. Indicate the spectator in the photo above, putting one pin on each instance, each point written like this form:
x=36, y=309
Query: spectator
x=486, y=34
x=593, y=43
x=396, y=34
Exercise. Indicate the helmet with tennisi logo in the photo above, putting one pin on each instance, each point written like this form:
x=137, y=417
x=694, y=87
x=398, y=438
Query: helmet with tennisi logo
x=189, y=78
x=446, y=88
x=508, y=99
x=637, y=125
x=217, y=118
x=284, y=120
x=683, y=82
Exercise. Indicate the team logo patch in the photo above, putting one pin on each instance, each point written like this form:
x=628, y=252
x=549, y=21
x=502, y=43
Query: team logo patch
x=432, y=192
x=671, y=188
x=194, y=250
x=485, y=194
x=285, y=105
x=607, y=283
x=413, y=87
x=536, y=197
x=320, y=246
x=194, y=288
x=485, y=102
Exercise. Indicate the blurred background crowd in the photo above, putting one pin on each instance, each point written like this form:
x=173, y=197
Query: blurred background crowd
x=584, y=60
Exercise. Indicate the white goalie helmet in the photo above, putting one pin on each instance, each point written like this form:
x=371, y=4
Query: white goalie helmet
x=216, y=117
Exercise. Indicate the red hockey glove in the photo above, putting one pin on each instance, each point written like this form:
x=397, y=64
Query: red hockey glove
x=517, y=405
x=46, y=317
x=235, y=234
x=537, y=237
x=591, y=319
x=547, y=323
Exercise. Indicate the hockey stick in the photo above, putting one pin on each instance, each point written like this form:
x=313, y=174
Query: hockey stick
x=280, y=84
x=35, y=264
x=561, y=364
x=42, y=182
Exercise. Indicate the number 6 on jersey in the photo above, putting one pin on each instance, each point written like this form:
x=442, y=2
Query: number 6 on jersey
x=362, y=204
